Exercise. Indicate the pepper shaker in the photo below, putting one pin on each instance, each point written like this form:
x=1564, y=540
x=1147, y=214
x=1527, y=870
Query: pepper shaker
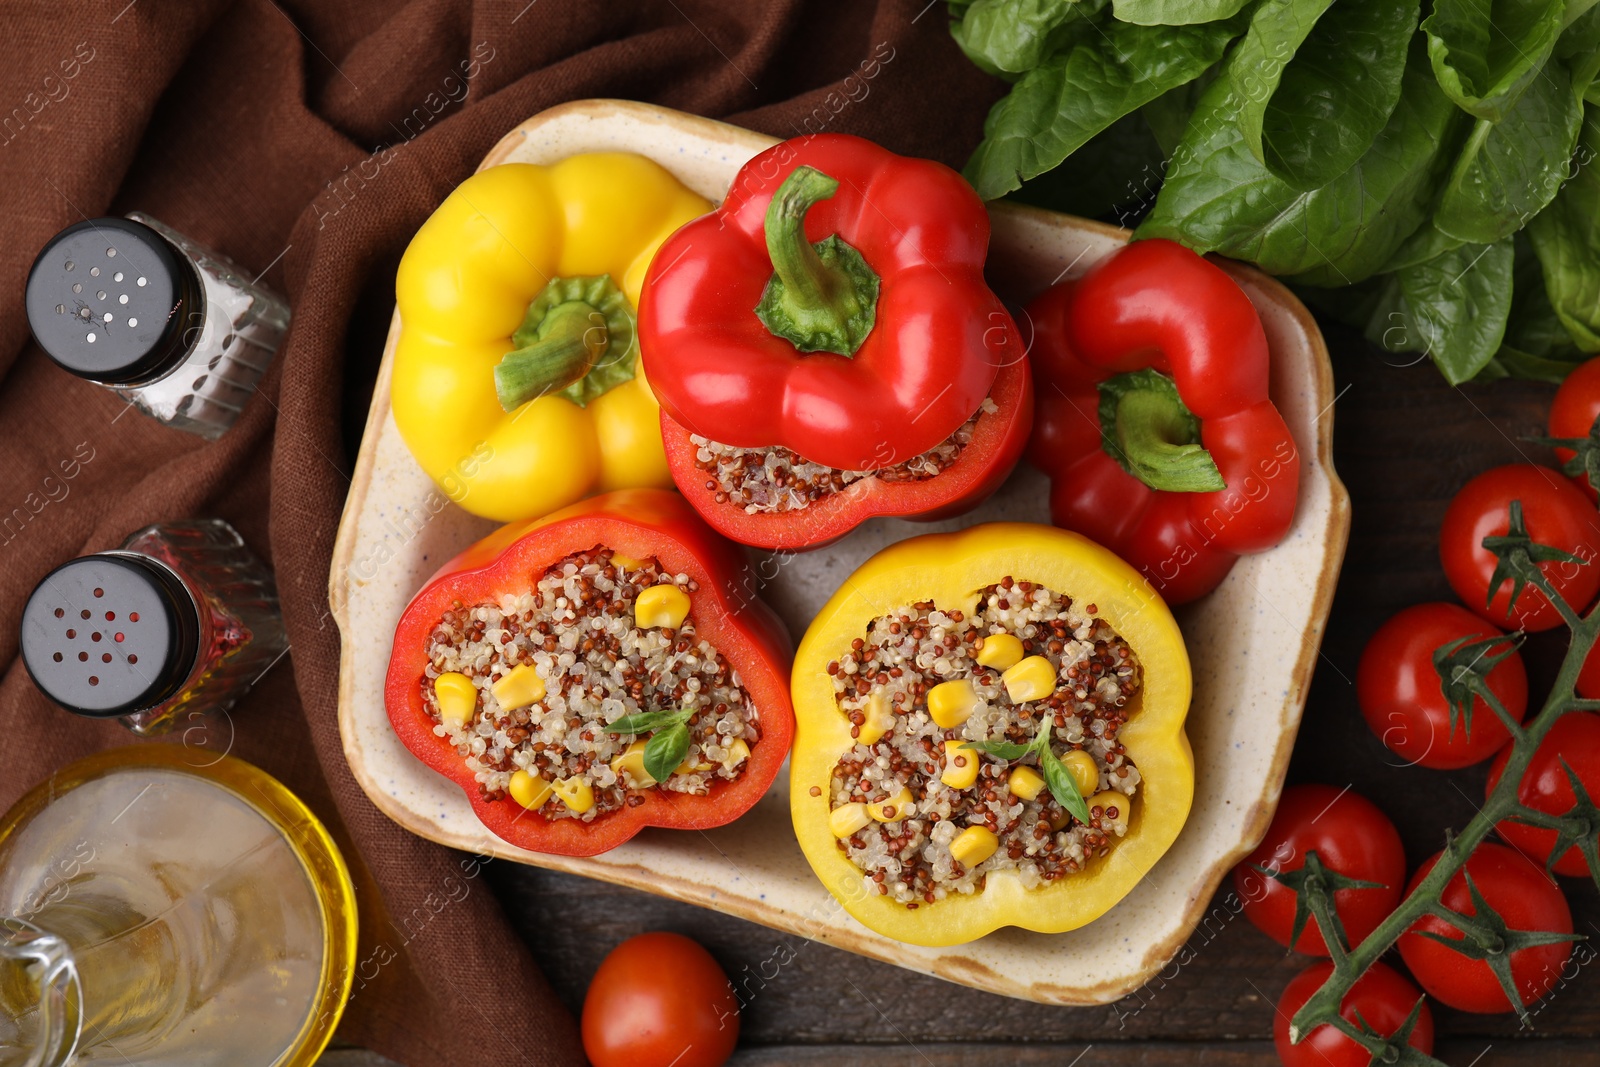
x=181, y=620
x=172, y=327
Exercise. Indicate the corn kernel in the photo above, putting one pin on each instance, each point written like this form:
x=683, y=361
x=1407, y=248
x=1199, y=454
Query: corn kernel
x=1025, y=782
x=846, y=819
x=1031, y=679
x=529, y=790
x=900, y=806
x=1085, y=775
x=575, y=793
x=973, y=845
x=458, y=698
x=879, y=717
x=631, y=761
x=625, y=562
x=661, y=605
x=960, y=765
x=1000, y=651
x=521, y=687
x=738, y=752
x=1111, y=802
x=950, y=703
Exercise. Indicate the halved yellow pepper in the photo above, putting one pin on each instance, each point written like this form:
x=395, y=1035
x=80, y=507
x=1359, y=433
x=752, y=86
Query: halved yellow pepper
x=951, y=570
x=465, y=286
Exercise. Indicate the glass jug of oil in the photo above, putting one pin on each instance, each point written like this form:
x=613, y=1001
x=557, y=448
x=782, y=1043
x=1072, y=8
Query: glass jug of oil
x=153, y=910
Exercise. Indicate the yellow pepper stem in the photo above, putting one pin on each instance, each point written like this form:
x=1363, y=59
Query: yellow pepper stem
x=576, y=342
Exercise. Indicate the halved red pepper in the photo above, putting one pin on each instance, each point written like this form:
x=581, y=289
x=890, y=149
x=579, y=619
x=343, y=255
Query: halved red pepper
x=835, y=306
x=633, y=522
x=1154, y=421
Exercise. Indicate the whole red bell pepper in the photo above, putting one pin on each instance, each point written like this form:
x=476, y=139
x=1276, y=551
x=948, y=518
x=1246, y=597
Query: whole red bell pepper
x=637, y=523
x=1155, y=425
x=835, y=306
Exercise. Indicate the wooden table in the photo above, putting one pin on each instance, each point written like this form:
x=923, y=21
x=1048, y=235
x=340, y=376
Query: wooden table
x=1404, y=443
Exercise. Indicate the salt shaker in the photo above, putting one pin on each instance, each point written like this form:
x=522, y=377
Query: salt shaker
x=175, y=329
x=179, y=622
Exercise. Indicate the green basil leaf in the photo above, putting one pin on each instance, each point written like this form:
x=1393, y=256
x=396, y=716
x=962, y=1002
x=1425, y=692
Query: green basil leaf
x=1014, y=36
x=1219, y=198
x=1566, y=238
x=645, y=721
x=1063, y=786
x=1000, y=749
x=1175, y=12
x=1485, y=53
x=1056, y=107
x=665, y=751
x=1453, y=307
x=1509, y=170
x=1317, y=81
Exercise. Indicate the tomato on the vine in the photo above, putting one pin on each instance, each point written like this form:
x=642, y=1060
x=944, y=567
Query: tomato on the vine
x=1572, y=413
x=1402, y=699
x=1382, y=997
x=1351, y=837
x=1555, y=512
x=1526, y=899
x=660, y=1000
x=1575, y=740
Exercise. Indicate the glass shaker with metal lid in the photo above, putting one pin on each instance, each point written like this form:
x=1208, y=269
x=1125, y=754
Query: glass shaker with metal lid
x=176, y=329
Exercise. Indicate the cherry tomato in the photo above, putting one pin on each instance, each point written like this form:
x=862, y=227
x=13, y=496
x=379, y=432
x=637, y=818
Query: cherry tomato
x=1574, y=410
x=1401, y=695
x=1556, y=513
x=1525, y=897
x=1382, y=997
x=659, y=999
x=1574, y=738
x=1351, y=837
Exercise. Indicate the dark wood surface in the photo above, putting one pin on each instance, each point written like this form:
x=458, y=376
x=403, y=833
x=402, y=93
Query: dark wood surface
x=1404, y=443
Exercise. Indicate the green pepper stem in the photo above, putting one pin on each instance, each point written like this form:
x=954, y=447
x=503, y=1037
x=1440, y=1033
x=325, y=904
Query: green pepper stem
x=1147, y=429
x=571, y=337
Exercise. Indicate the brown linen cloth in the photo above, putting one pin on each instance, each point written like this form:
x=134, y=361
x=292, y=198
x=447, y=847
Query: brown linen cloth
x=240, y=124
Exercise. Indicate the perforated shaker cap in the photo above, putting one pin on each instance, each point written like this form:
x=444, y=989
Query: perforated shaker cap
x=108, y=300
x=110, y=634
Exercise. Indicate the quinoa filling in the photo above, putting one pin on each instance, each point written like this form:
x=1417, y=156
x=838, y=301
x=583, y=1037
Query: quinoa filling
x=766, y=480
x=909, y=851
x=577, y=630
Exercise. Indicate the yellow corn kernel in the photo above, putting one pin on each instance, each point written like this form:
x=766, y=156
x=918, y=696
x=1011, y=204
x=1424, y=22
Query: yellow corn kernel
x=950, y=703
x=529, y=790
x=973, y=845
x=1108, y=802
x=625, y=562
x=631, y=761
x=897, y=807
x=457, y=697
x=846, y=819
x=575, y=793
x=521, y=687
x=1085, y=775
x=1031, y=679
x=738, y=752
x=661, y=605
x=879, y=717
x=1000, y=651
x=1025, y=782
x=960, y=765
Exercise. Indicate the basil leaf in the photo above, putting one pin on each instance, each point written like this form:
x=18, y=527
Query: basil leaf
x=1509, y=170
x=645, y=721
x=665, y=751
x=1453, y=307
x=1485, y=54
x=1056, y=107
x=1566, y=238
x=1175, y=12
x=1014, y=36
x=1219, y=198
x=1000, y=749
x=1317, y=81
x=1063, y=786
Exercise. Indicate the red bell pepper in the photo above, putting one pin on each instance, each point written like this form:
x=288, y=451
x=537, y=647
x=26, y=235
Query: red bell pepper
x=1154, y=421
x=634, y=522
x=835, y=306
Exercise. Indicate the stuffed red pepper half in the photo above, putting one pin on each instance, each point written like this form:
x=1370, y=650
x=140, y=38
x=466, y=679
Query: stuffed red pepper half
x=595, y=672
x=1155, y=426
x=825, y=348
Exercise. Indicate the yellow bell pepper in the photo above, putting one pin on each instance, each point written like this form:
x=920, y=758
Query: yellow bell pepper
x=514, y=428
x=951, y=570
